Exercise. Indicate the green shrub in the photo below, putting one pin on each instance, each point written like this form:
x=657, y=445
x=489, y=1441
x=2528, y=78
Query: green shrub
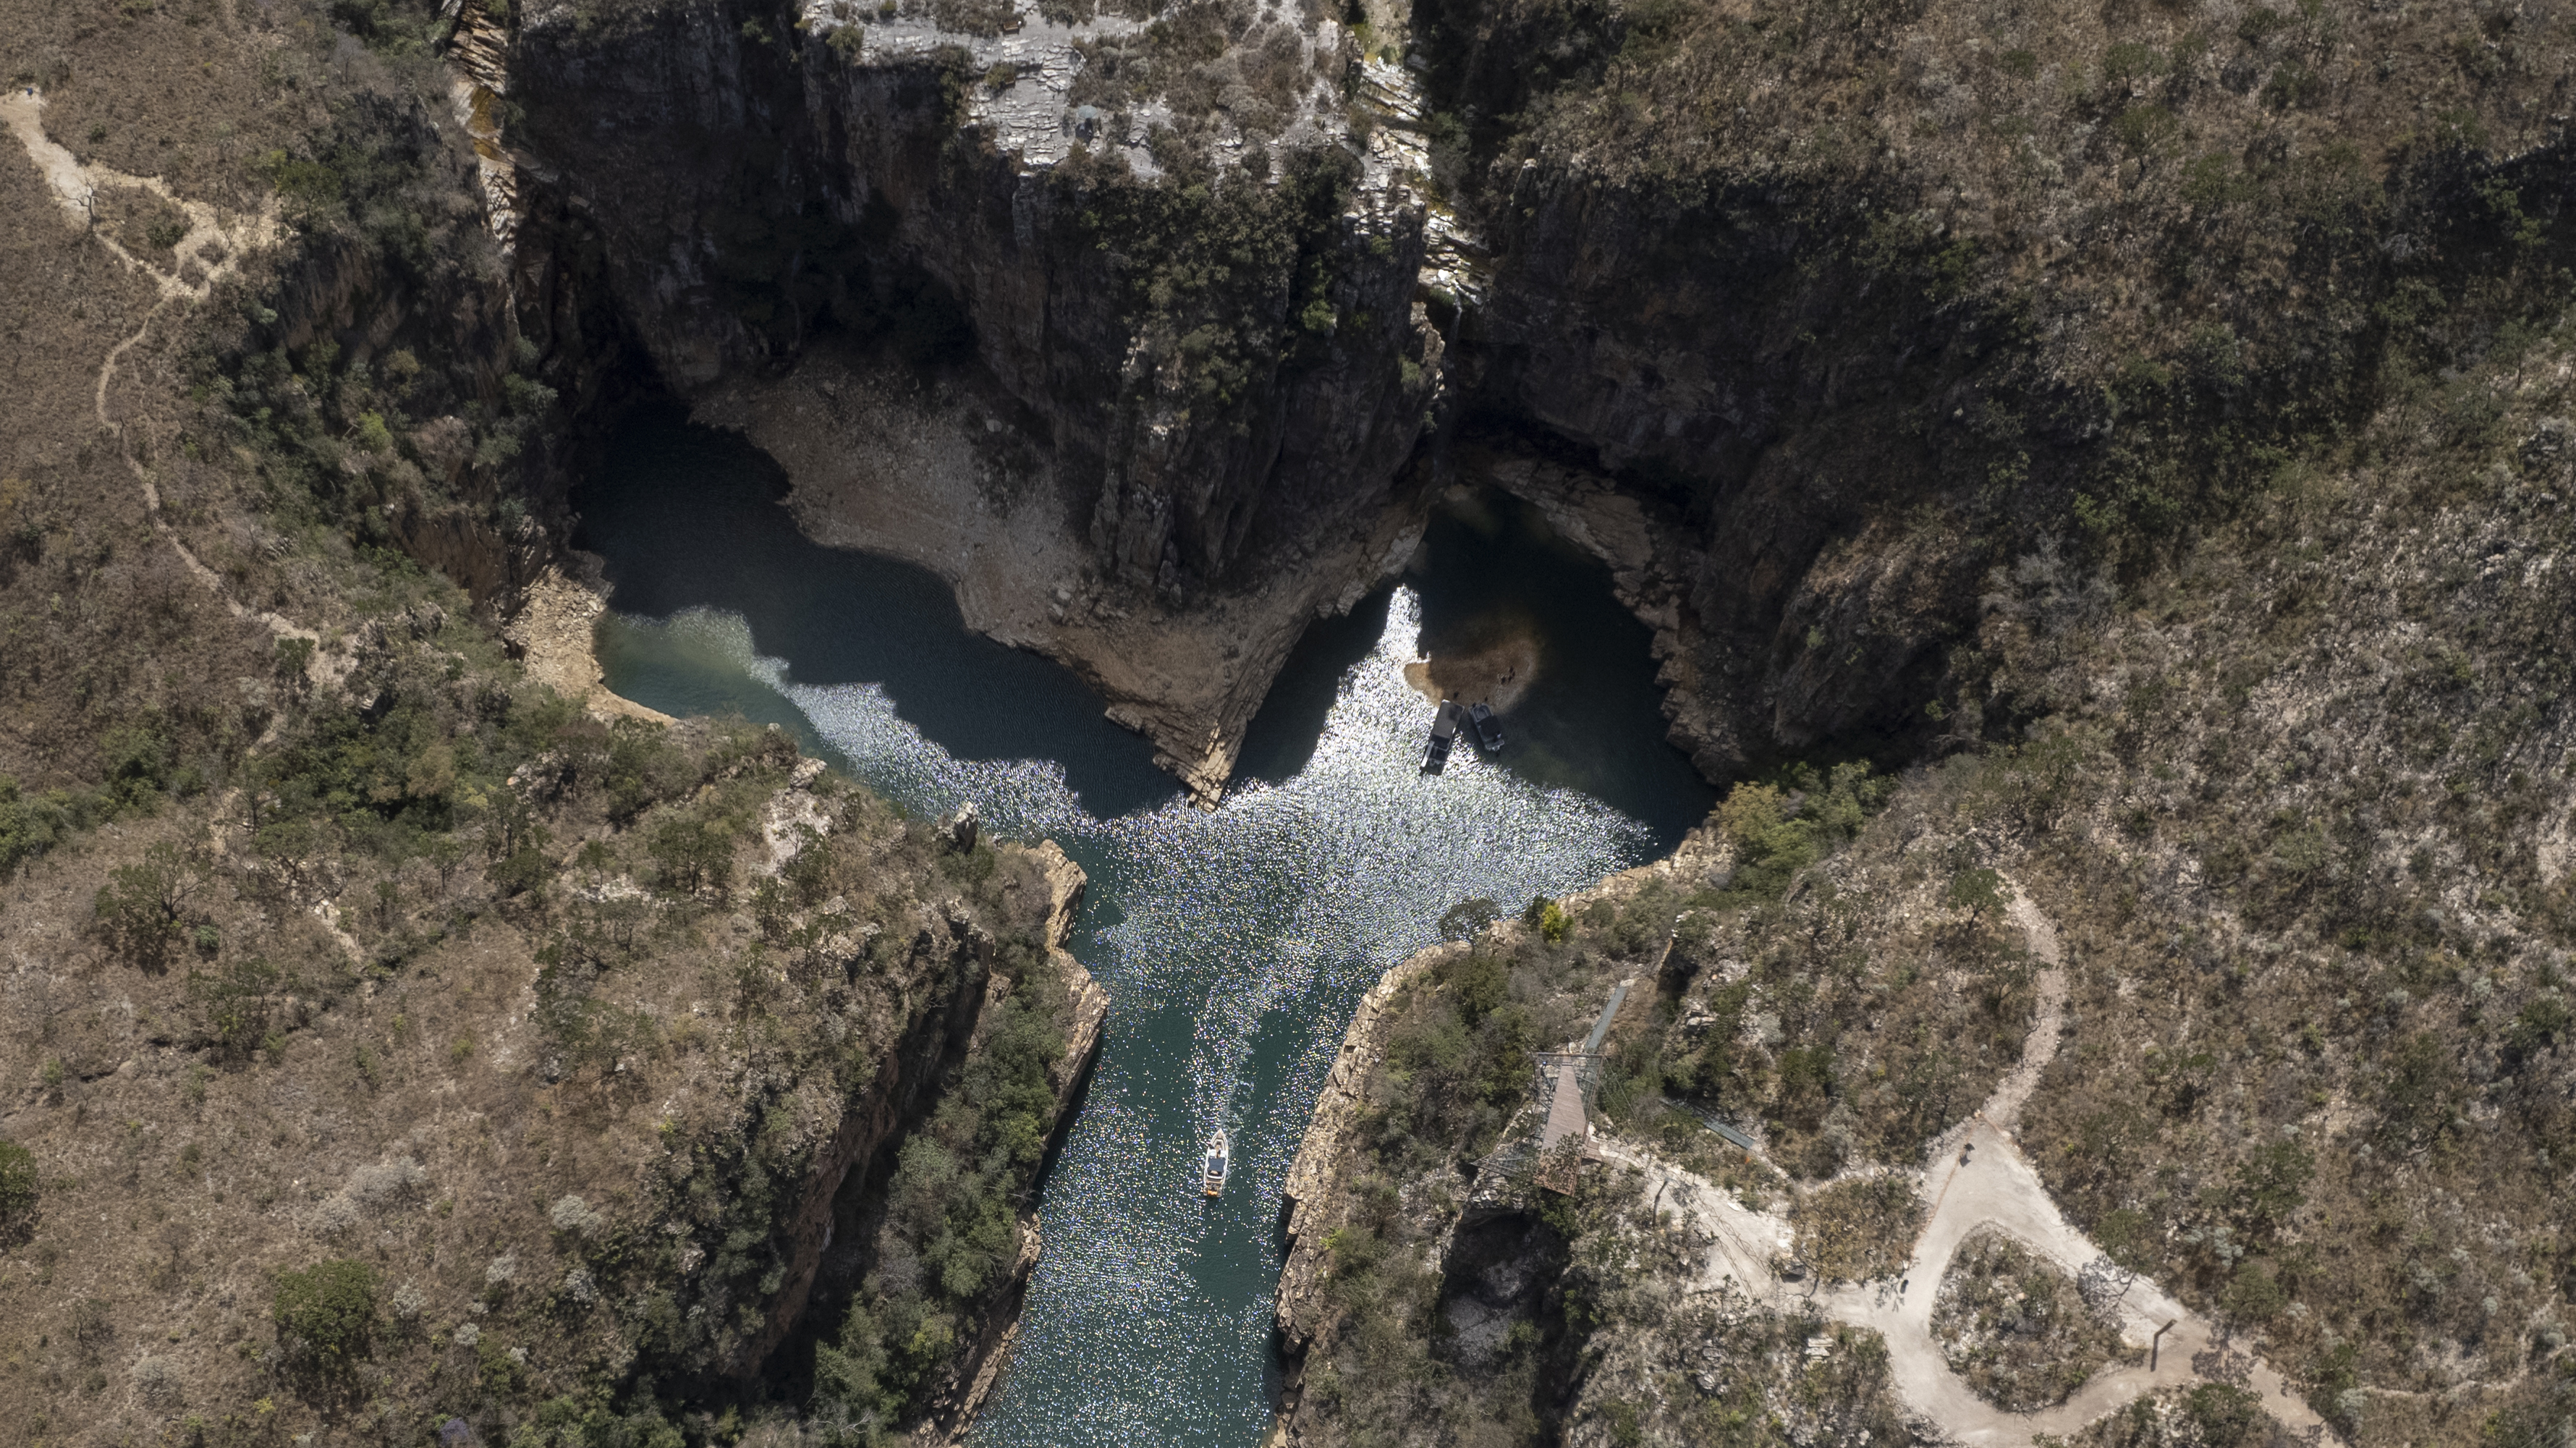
x=234, y=1004
x=329, y=1309
x=573, y=1422
x=2130, y=61
x=30, y=827
x=1979, y=892
x=19, y=1188
x=2227, y=1416
x=2253, y=1295
x=695, y=854
x=1553, y=923
x=1468, y=918
x=2539, y=1026
x=1476, y=983
x=642, y=768
x=2145, y=128
x=525, y=870
x=1769, y=849
x=2293, y=87
x=2273, y=1184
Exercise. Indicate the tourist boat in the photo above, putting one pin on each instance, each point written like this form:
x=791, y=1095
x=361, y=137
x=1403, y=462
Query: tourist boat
x=1489, y=730
x=1212, y=1171
x=1444, y=732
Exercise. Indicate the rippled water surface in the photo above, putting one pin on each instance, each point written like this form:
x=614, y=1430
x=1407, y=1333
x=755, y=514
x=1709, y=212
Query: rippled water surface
x=1234, y=942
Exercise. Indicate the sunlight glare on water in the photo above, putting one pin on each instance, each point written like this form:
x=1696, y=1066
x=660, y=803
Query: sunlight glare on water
x=1235, y=943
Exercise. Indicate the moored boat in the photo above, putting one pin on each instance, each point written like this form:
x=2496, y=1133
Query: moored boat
x=1489, y=729
x=1444, y=733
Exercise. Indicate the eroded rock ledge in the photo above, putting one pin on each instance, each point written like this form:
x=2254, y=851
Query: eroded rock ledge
x=962, y=482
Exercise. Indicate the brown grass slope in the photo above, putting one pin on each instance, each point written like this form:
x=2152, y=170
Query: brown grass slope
x=385, y=1040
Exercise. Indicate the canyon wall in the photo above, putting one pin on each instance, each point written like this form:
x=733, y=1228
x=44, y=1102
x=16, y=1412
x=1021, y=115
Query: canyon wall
x=782, y=225
x=1162, y=386
x=947, y=306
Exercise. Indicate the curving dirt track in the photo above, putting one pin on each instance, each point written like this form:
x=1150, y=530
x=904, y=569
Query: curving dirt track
x=1978, y=1178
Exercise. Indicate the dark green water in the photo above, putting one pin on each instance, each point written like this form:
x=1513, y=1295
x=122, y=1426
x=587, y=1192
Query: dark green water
x=1235, y=942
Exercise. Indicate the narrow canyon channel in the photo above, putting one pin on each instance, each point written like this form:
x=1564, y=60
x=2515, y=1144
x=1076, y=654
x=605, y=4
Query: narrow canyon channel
x=1235, y=943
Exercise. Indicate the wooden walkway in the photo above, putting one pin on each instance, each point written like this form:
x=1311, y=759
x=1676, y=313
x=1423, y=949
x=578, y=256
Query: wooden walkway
x=1570, y=1076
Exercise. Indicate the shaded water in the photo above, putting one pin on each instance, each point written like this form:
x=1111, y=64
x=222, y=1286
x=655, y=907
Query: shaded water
x=1235, y=942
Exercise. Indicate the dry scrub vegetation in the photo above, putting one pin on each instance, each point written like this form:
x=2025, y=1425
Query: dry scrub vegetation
x=1235, y=71
x=2302, y=801
x=1858, y=1229
x=2212, y=1415
x=2012, y=1324
x=2152, y=194
x=2230, y=379
x=1463, y=1300
x=2297, y=794
x=386, y=1040
x=526, y=1068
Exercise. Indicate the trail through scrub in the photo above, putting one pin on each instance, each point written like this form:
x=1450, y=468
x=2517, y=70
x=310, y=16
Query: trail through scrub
x=212, y=250
x=1984, y=1183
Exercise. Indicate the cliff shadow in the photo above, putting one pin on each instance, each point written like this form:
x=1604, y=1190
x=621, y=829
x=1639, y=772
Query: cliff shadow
x=690, y=517
x=1501, y=1320
x=1282, y=738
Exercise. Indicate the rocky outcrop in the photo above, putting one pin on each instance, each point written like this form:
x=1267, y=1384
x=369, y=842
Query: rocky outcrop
x=974, y=1373
x=552, y=630
x=876, y=1123
x=1315, y=1179
x=939, y=1030
x=897, y=282
x=1317, y=1192
x=1646, y=369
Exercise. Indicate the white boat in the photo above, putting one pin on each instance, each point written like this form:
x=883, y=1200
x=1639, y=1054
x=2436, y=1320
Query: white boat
x=1212, y=1171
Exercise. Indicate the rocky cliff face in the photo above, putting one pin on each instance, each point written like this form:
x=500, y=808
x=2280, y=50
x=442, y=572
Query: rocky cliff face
x=1371, y=1215
x=972, y=1376
x=973, y=319
x=860, y=1153
x=1319, y=1174
x=977, y=321
x=1159, y=492
x=871, y=1124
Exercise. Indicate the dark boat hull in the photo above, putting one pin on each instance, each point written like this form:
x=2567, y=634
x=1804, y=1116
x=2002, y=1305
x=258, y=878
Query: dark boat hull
x=1444, y=734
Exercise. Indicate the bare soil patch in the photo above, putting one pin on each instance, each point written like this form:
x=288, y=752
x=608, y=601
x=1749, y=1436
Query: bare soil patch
x=1498, y=673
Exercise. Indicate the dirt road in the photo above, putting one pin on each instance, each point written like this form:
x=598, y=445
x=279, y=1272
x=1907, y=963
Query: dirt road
x=1978, y=1178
